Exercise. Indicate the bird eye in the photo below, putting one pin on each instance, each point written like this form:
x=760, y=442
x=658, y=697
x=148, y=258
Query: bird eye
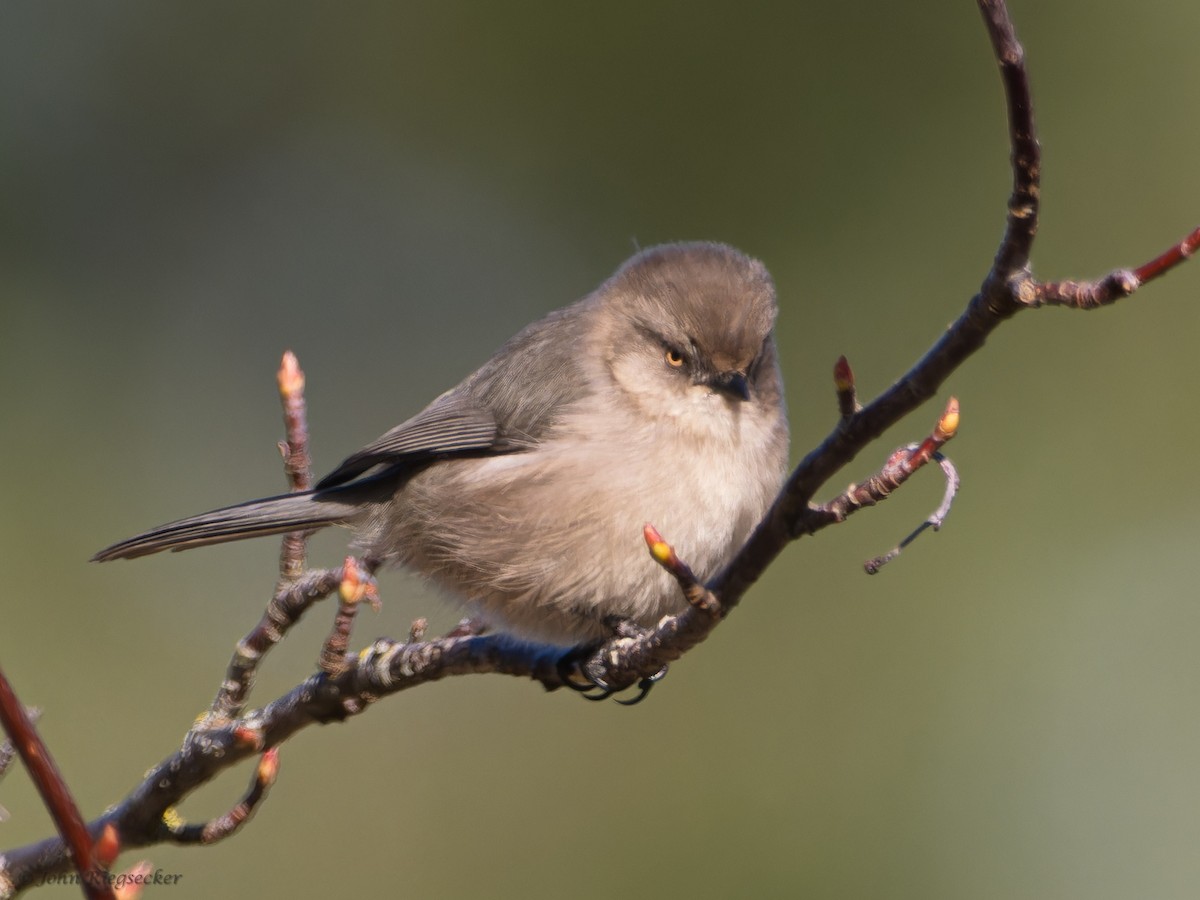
x=674, y=358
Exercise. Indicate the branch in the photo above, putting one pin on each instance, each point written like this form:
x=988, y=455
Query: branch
x=1026, y=154
x=175, y=829
x=1114, y=286
x=297, y=465
x=296, y=589
x=53, y=789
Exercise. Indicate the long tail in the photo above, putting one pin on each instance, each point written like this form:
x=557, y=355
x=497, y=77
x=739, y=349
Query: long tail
x=257, y=518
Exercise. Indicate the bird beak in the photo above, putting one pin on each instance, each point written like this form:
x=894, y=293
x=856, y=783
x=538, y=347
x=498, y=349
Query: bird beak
x=732, y=383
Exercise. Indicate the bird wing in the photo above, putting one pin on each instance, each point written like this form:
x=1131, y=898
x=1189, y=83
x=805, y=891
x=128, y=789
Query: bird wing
x=511, y=403
x=452, y=425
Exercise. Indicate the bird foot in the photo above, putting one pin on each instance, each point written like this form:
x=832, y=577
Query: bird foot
x=594, y=688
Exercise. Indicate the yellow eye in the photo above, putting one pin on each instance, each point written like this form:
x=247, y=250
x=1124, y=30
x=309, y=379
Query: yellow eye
x=674, y=358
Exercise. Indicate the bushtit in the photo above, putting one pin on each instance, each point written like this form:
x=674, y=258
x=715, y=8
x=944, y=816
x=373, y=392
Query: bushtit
x=523, y=491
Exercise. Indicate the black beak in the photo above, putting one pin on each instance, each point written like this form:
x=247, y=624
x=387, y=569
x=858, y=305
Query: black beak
x=732, y=383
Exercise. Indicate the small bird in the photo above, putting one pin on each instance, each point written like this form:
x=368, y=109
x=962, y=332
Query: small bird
x=523, y=491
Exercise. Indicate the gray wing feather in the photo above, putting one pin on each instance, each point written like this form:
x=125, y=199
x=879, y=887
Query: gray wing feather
x=509, y=404
x=450, y=425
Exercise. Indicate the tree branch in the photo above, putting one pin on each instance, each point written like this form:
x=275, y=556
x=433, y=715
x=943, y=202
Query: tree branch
x=50, y=784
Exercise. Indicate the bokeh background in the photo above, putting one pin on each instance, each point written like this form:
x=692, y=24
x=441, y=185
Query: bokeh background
x=392, y=189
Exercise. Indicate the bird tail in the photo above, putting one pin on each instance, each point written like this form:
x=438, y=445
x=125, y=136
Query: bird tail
x=300, y=511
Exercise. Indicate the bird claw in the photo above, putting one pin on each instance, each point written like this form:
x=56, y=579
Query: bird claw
x=568, y=665
x=595, y=689
x=644, y=687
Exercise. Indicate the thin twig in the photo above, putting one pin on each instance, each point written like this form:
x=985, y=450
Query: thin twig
x=290, y=601
x=53, y=790
x=898, y=469
x=934, y=521
x=357, y=584
x=296, y=590
x=296, y=462
x=843, y=382
x=693, y=589
x=1025, y=152
x=1116, y=285
x=180, y=832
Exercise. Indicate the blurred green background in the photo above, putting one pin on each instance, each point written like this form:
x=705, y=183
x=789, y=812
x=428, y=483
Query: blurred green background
x=1009, y=710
